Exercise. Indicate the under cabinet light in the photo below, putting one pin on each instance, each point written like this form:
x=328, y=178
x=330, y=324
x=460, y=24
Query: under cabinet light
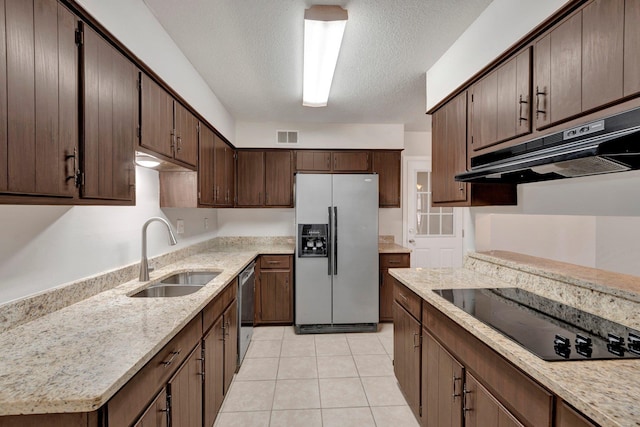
x=323, y=30
x=146, y=160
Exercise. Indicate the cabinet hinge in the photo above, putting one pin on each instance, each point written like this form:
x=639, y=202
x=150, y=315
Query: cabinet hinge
x=140, y=84
x=420, y=410
x=79, y=36
x=139, y=129
x=198, y=128
x=471, y=97
x=82, y=178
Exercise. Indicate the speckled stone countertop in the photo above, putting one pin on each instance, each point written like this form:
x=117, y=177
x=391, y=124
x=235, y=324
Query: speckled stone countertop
x=392, y=248
x=606, y=391
x=76, y=358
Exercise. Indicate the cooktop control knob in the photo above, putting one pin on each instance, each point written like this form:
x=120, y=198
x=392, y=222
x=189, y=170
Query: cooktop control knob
x=633, y=343
x=562, y=346
x=583, y=345
x=615, y=345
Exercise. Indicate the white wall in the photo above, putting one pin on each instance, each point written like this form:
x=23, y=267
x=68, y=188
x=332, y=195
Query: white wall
x=131, y=22
x=46, y=246
x=256, y=222
x=322, y=135
x=501, y=24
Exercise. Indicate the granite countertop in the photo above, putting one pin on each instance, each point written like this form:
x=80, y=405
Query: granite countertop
x=606, y=391
x=392, y=248
x=76, y=358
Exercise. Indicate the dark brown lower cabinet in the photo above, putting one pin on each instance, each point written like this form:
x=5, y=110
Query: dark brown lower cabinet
x=185, y=392
x=274, y=290
x=230, y=319
x=157, y=414
x=406, y=355
x=482, y=409
x=387, y=261
x=213, y=344
x=442, y=385
x=566, y=416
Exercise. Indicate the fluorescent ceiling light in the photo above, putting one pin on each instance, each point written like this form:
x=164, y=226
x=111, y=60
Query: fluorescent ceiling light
x=323, y=30
x=146, y=160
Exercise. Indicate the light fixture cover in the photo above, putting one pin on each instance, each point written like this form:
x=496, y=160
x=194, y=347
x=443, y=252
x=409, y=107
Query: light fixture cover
x=323, y=30
x=146, y=160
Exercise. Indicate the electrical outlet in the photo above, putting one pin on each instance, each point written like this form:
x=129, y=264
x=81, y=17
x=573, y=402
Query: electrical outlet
x=180, y=226
x=206, y=223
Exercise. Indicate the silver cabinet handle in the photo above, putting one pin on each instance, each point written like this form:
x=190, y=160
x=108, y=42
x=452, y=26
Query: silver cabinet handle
x=174, y=354
x=411, y=241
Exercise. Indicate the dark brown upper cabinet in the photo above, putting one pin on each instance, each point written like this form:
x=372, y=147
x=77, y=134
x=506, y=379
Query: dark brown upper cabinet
x=351, y=161
x=167, y=128
x=500, y=103
x=110, y=101
x=579, y=64
x=313, y=161
x=449, y=149
x=387, y=165
x=38, y=99
x=224, y=179
x=250, y=179
x=264, y=178
x=631, y=48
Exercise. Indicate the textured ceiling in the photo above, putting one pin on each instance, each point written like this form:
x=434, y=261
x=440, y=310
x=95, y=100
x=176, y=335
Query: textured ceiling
x=250, y=54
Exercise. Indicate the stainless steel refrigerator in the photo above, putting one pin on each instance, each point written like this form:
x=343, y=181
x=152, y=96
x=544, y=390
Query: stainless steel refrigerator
x=336, y=287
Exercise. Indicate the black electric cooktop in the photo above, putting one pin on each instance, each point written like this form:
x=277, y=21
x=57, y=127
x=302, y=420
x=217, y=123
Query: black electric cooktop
x=551, y=330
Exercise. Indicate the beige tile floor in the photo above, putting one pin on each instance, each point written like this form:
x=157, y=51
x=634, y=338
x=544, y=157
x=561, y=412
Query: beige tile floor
x=341, y=380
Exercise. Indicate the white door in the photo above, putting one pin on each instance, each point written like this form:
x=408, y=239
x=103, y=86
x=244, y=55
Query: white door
x=433, y=234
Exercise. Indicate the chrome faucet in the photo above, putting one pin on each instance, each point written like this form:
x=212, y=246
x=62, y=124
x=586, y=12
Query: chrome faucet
x=144, y=262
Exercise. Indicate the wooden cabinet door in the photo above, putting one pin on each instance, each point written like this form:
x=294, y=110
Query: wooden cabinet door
x=387, y=165
x=207, y=167
x=313, y=161
x=157, y=413
x=213, y=389
x=351, y=161
x=185, y=391
x=275, y=296
x=186, y=135
x=250, y=175
x=406, y=356
x=156, y=121
x=230, y=319
x=484, y=111
x=566, y=416
x=38, y=98
x=442, y=382
x=558, y=78
x=224, y=173
x=602, y=52
x=278, y=178
x=450, y=150
x=386, y=296
x=631, y=48
x=482, y=409
x=110, y=121
x=514, y=93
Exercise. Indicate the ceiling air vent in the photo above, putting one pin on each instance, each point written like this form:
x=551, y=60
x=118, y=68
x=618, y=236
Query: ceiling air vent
x=287, y=137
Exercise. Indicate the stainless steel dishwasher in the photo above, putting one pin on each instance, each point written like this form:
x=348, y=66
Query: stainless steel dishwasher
x=246, y=309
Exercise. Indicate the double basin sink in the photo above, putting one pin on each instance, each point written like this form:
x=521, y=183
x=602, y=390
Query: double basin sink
x=178, y=284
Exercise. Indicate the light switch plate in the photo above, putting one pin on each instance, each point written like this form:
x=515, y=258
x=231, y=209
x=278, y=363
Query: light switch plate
x=180, y=226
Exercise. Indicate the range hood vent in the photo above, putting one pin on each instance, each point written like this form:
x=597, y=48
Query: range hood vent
x=604, y=146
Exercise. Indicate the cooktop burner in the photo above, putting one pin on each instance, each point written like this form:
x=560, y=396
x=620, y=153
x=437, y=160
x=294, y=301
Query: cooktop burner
x=551, y=330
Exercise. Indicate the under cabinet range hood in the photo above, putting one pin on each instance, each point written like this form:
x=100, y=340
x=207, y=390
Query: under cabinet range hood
x=603, y=146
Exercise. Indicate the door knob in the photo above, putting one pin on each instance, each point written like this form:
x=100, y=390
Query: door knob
x=411, y=241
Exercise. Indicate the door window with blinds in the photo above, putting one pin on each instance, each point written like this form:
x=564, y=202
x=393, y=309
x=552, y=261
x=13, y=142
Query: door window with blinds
x=430, y=221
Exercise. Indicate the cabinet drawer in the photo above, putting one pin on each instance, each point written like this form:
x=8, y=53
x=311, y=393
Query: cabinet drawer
x=528, y=401
x=407, y=299
x=214, y=309
x=280, y=262
x=394, y=260
x=129, y=402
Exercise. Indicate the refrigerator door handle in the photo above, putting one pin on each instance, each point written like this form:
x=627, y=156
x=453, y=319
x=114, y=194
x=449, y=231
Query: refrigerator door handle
x=330, y=242
x=335, y=240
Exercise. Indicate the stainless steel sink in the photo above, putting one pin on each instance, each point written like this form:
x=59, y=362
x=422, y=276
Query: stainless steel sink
x=178, y=284
x=190, y=278
x=166, y=290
